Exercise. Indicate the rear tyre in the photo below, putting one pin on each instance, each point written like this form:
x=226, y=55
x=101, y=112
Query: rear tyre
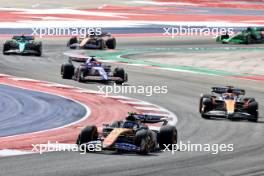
x=253, y=110
x=39, y=49
x=168, y=135
x=253, y=120
x=111, y=43
x=120, y=73
x=72, y=40
x=222, y=37
x=249, y=39
x=116, y=124
x=249, y=99
x=67, y=71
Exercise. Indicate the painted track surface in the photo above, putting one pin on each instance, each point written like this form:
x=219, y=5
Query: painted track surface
x=23, y=111
x=99, y=113
x=182, y=99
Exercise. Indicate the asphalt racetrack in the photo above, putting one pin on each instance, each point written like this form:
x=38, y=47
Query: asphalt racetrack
x=184, y=90
x=24, y=111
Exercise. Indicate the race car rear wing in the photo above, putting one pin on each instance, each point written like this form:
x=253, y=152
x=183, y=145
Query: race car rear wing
x=26, y=37
x=221, y=90
x=80, y=57
x=77, y=59
x=146, y=118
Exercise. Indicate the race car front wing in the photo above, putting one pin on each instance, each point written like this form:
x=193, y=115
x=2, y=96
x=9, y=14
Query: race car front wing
x=224, y=114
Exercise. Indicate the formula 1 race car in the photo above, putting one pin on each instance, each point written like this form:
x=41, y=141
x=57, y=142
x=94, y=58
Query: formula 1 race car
x=229, y=104
x=103, y=41
x=131, y=134
x=92, y=70
x=24, y=45
x=248, y=36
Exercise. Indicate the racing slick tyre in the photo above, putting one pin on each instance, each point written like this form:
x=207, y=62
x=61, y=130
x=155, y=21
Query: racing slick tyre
x=205, y=99
x=221, y=38
x=101, y=44
x=72, y=40
x=144, y=141
x=116, y=124
x=253, y=110
x=89, y=133
x=120, y=73
x=168, y=135
x=39, y=49
x=249, y=39
x=111, y=43
x=6, y=48
x=67, y=71
x=78, y=76
x=249, y=99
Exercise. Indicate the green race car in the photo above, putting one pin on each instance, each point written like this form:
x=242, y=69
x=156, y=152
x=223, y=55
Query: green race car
x=248, y=36
x=24, y=45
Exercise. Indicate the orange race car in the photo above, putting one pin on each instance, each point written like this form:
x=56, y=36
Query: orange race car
x=131, y=134
x=93, y=41
x=228, y=104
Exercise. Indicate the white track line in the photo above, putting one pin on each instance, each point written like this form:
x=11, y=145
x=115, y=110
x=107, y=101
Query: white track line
x=4, y=75
x=10, y=152
x=147, y=108
x=117, y=97
x=89, y=91
x=135, y=102
x=27, y=79
x=57, y=85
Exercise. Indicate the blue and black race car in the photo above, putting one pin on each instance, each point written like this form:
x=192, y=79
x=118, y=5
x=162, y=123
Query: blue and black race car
x=92, y=70
x=24, y=45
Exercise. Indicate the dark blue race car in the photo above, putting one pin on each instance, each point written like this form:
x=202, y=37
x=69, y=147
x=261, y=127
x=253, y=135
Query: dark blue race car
x=23, y=45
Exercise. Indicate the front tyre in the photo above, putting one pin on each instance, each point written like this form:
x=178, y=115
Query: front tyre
x=6, y=48
x=205, y=105
x=67, y=71
x=111, y=43
x=89, y=133
x=101, y=44
x=71, y=43
x=144, y=141
x=120, y=73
